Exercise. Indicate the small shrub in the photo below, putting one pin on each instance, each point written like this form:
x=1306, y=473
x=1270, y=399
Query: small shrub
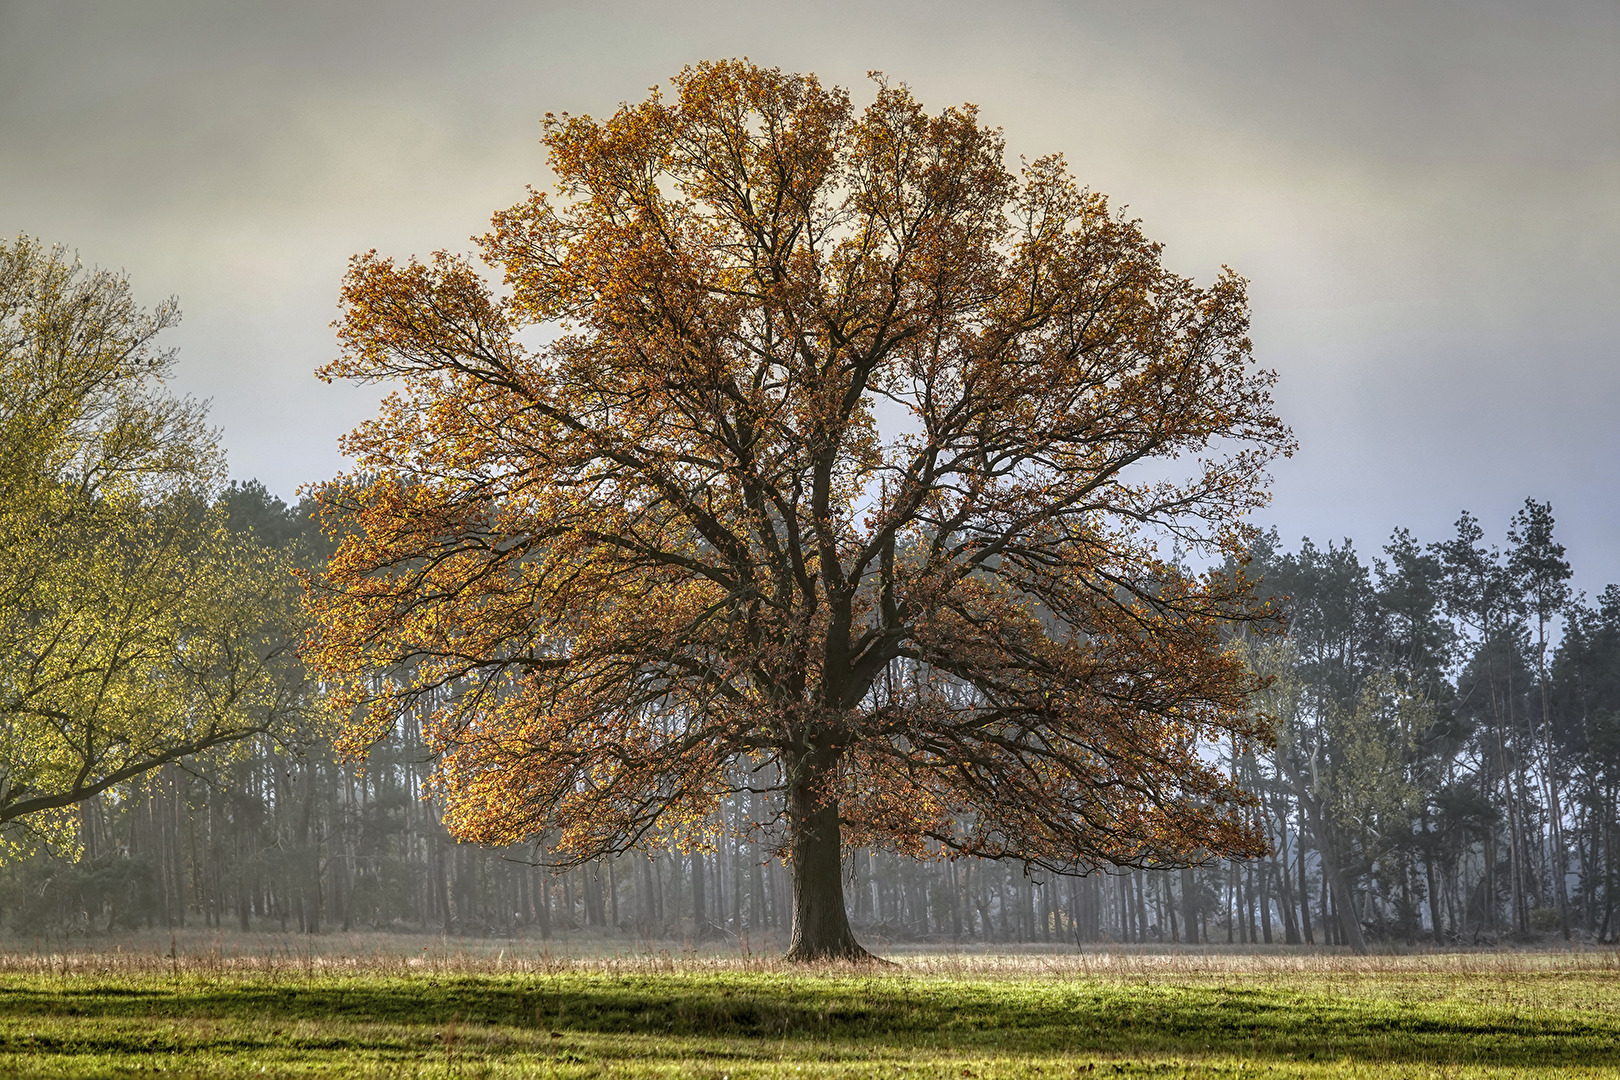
x=1546, y=919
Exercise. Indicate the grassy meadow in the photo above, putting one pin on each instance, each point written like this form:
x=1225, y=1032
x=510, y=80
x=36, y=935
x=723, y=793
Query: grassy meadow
x=388, y=1006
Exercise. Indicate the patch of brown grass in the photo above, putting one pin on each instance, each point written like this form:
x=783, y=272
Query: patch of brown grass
x=203, y=952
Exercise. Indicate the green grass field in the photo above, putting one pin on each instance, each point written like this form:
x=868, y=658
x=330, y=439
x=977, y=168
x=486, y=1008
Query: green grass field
x=522, y=1013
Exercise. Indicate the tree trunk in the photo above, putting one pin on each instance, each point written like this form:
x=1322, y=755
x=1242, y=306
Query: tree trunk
x=1138, y=889
x=542, y=904
x=1263, y=888
x=956, y=902
x=1550, y=770
x=700, y=914
x=1343, y=900
x=1284, y=879
x=1333, y=877
x=1304, y=887
x=1189, y=906
x=1434, y=893
x=820, y=924
x=1170, y=910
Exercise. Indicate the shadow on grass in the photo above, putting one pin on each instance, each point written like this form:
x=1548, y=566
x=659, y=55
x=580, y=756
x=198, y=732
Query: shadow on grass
x=839, y=1015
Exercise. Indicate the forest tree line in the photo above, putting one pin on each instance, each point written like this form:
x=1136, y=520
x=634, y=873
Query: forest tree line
x=1446, y=769
x=1443, y=767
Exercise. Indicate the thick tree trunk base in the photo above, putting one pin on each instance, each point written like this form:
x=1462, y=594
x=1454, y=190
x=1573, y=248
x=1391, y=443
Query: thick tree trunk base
x=821, y=932
x=847, y=952
x=821, y=929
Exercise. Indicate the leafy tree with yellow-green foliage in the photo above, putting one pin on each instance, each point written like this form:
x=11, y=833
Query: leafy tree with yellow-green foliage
x=134, y=628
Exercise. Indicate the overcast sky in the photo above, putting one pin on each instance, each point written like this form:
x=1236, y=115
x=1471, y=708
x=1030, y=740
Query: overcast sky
x=1425, y=196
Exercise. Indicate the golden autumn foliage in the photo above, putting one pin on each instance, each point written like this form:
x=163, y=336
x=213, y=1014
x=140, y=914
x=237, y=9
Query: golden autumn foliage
x=807, y=448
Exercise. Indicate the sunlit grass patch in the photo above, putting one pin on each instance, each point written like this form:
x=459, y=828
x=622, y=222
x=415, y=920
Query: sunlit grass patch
x=521, y=1012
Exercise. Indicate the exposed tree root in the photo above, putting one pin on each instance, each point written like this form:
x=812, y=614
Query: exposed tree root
x=846, y=951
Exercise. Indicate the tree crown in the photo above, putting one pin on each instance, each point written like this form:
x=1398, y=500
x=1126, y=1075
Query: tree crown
x=842, y=450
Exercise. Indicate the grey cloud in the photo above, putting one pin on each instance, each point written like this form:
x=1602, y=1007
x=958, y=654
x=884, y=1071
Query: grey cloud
x=1425, y=195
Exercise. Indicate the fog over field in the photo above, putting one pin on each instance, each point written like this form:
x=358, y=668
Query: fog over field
x=1425, y=196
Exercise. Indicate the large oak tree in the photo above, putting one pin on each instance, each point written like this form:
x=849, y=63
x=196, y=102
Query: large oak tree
x=807, y=448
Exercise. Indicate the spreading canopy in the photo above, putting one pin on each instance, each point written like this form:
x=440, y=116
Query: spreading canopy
x=807, y=448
